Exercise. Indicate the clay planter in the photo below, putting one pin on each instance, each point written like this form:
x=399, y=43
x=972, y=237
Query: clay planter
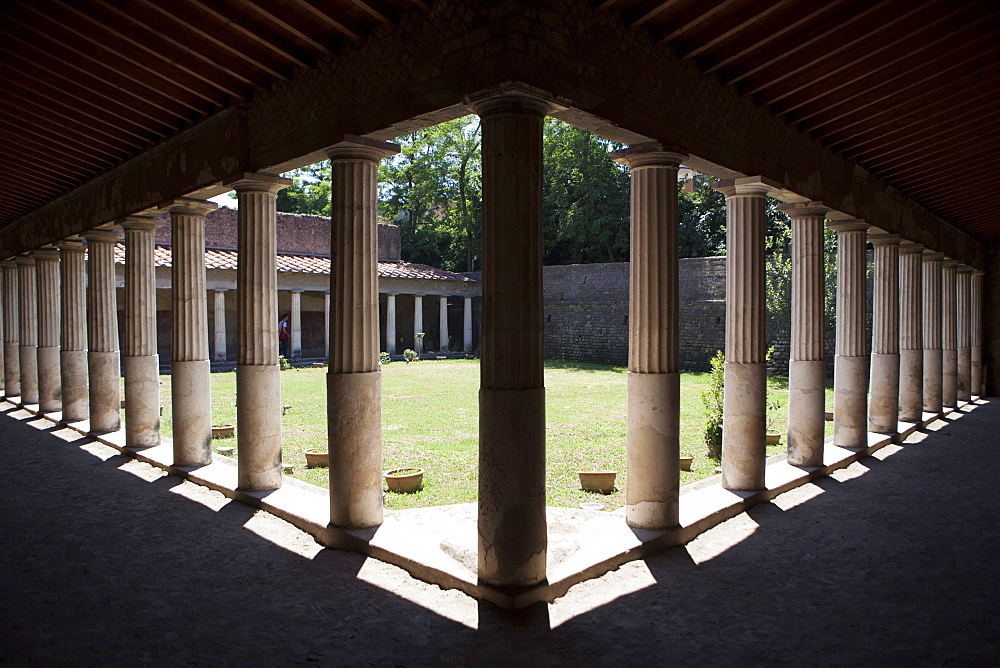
x=317, y=459
x=602, y=482
x=828, y=416
x=227, y=451
x=223, y=430
x=772, y=439
x=686, y=463
x=405, y=481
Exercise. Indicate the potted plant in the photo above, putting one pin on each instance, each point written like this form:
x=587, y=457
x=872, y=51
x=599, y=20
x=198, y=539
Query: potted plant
x=223, y=430
x=602, y=482
x=406, y=480
x=686, y=462
x=317, y=459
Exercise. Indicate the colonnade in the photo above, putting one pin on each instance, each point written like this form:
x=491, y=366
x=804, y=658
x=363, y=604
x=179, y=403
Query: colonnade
x=926, y=348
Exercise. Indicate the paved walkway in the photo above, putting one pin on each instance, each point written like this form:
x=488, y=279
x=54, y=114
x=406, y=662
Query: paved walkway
x=892, y=561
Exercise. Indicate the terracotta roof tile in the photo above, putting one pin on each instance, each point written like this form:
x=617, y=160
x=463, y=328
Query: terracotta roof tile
x=305, y=264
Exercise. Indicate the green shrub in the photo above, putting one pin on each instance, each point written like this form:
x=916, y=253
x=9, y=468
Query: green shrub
x=284, y=364
x=712, y=399
x=383, y=358
x=410, y=355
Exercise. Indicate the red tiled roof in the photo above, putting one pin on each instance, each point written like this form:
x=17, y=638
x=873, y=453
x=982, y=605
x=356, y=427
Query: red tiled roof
x=304, y=264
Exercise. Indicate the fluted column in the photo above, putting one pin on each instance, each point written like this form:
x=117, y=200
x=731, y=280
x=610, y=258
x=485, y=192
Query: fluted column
x=806, y=365
x=963, y=335
x=354, y=378
x=49, y=307
x=27, y=307
x=190, y=369
x=467, y=325
x=418, y=324
x=73, y=334
x=850, y=370
x=744, y=404
x=883, y=407
x=443, y=325
x=220, y=325
x=296, y=326
x=103, y=362
x=390, y=323
x=653, y=426
x=141, y=363
x=976, y=333
x=512, y=526
x=258, y=380
x=11, y=331
x=931, y=318
x=949, y=342
x=911, y=339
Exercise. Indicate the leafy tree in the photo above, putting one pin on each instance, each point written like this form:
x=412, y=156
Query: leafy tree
x=309, y=192
x=702, y=221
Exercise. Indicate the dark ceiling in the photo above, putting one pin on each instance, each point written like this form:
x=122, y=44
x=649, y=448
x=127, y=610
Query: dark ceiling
x=909, y=90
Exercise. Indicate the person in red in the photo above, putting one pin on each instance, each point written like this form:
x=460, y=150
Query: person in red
x=284, y=335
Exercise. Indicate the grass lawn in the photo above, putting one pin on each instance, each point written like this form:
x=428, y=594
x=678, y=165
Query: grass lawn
x=430, y=417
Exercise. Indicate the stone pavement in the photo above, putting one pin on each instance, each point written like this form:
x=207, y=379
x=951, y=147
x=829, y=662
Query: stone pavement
x=892, y=560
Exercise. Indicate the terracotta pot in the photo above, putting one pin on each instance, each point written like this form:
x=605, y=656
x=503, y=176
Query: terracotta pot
x=317, y=459
x=772, y=439
x=405, y=480
x=686, y=463
x=227, y=451
x=223, y=430
x=602, y=482
x=828, y=415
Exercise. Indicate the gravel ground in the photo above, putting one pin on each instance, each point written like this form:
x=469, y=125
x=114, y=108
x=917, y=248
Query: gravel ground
x=109, y=561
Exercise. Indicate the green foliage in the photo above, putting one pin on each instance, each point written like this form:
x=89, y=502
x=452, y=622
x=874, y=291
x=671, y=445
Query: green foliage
x=410, y=355
x=383, y=358
x=309, y=192
x=283, y=363
x=702, y=221
x=772, y=405
x=712, y=400
x=778, y=279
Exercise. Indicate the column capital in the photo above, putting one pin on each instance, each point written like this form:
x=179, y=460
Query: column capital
x=978, y=273
x=353, y=147
x=884, y=239
x=964, y=269
x=141, y=223
x=756, y=186
x=190, y=206
x=71, y=245
x=511, y=98
x=9, y=264
x=24, y=260
x=932, y=256
x=296, y=292
x=50, y=253
x=649, y=154
x=848, y=225
x=804, y=209
x=949, y=263
x=109, y=233
x=258, y=182
x=220, y=289
x=910, y=248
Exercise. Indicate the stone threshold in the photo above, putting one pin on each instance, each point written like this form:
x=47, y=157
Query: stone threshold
x=439, y=544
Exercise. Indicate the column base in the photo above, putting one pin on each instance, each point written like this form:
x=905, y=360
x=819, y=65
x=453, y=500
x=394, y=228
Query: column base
x=850, y=401
x=11, y=370
x=354, y=427
x=105, y=391
x=744, y=426
x=28, y=360
x=512, y=525
x=963, y=379
x=949, y=378
x=653, y=450
x=75, y=390
x=883, y=403
x=258, y=426
x=911, y=385
x=191, y=404
x=932, y=380
x=806, y=412
x=49, y=380
x=142, y=401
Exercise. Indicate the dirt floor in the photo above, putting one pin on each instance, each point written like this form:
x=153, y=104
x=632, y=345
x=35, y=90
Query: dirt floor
x=108, y=561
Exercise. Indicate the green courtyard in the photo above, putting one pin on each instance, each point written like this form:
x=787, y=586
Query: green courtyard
x=430, y=417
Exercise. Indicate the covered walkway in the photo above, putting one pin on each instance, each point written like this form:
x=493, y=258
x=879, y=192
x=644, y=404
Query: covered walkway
x=107, y=560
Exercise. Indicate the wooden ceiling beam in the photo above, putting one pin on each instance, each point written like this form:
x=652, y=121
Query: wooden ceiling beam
x=17, y=124
x=637, y=17
x=30, y=189
x=956, y=129
x=951, y=147
x=689, y=19
x=918, y=182
x=252, y=30
x=723, y=30
x=24, y=147
x=383, y=15
x=278, y=18
x=348, y=31
x=40, y=171
x=20, y=130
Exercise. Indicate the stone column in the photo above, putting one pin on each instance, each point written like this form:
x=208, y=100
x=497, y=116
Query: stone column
x=963, y=336
x=141, y=361
x=931, y=317
x=850, y=370
x=390, y=323
x=11, y=329
x=220, y=325
x=443, y=326
x=512, y=525
x=976, y=335
x=949, y=347
x=743, y=420
x=467, y=326
x=418, y=323
x=103, y=362
x=258, y=380
x=354, y=378
x=911, y=339
x=3, y=372
x=653, y=427
x=326, y=324
x=49, y=307
x=27, y=307
x=73, y=357
x=190, y=369
x=883, y=407
x=806, y=365
x=296, y=326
